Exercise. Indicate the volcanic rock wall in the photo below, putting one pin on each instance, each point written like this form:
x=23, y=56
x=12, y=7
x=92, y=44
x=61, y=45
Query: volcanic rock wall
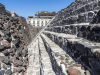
x=77, y=12
x=3, y=10
x=14, y=39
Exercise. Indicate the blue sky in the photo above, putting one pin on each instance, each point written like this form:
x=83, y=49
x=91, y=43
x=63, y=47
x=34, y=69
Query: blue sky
x=27, y=8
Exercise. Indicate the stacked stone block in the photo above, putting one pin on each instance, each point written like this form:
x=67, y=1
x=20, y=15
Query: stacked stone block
x=90, y=32
x=81, y=50
x=62, y=63
x=77, y=12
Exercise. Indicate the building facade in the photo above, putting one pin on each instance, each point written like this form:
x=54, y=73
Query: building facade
x=40, y=19
x=37, y=21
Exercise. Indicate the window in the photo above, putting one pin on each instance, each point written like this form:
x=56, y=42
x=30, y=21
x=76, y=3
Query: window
x=37, y=22
x=42, y=22
x=45, y=22
x=33, y=22
x=29, y=22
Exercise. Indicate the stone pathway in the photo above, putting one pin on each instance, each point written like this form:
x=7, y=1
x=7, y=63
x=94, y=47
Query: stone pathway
x=39, y=61
x=47, y=58
x=34, y=65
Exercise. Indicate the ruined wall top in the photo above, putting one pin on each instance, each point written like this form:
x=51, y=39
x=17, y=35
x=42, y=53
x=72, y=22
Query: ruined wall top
x=1, y=5
x=3, y=10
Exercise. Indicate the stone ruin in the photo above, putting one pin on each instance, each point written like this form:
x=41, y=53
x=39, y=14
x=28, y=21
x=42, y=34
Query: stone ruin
x=15, y=36
x=4, y=11
x=70, y=44
x=14, y=39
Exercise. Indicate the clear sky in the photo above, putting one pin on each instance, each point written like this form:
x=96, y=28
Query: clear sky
x=27, y=8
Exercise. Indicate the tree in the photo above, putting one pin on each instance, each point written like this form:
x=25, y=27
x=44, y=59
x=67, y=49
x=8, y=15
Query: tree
x=44, y=11
x=53, y=12
x=37, y=12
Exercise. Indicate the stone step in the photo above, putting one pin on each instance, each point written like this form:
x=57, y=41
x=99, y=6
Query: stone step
x=46, y=66
x=61, y=34
x=80, y=49
x=65, y=62
x=89, y=32
x=60, y=38
x=81, y=44
x=54, y=52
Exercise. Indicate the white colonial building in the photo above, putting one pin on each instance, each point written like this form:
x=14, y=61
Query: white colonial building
x=37, y=21
x=40, y=19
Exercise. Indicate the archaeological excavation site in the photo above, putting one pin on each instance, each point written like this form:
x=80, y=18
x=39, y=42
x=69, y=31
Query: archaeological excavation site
x=68, y=45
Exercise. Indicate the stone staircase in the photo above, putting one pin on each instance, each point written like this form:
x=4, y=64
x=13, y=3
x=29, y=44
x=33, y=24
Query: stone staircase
x=48, y=58
x=69, y=44
x=82, y=50
x=39, y=60
x=46, y=66
x=58, y=52
x=34, y=60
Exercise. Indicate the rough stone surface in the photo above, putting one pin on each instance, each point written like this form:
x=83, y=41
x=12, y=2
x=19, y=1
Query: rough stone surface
x=71, y=41
x=72, y=71
x=15, y=36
